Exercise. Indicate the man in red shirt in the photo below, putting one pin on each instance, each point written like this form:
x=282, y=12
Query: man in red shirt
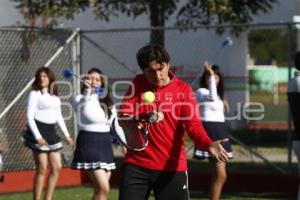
x=162, y=166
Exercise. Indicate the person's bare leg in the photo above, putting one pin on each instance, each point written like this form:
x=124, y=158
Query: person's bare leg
x=92, y=179
x=41, y=162
x=100, y=180
x=55, y=164
x=219, y=176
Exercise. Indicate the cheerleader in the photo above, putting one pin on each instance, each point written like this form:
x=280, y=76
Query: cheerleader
x=43, y=112
x=93, y=152
x=211, y=100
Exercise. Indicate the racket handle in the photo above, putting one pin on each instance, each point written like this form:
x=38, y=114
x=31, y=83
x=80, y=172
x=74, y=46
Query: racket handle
x=155, y=117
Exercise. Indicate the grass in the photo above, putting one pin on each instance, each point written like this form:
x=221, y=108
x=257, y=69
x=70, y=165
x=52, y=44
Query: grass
x=259, y=148
x=272, y=113
x=85, y=193
x=243, y=167
x=266, y=98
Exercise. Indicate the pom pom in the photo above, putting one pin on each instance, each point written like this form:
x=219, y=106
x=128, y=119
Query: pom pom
x=114, y=139
x=227, y=42
x=99, y=91
x=68, y=74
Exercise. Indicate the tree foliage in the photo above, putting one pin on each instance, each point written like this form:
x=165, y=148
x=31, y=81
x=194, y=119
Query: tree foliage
x=268, y=46
x=187, y=13
x=197, y=12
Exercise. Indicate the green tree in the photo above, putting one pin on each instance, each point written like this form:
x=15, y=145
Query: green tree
x=188, y=12
x=269, y=46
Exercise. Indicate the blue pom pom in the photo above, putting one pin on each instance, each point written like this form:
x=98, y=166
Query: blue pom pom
x=227, y=42
x=114, y=139
x=68, y=74
x=99, y=91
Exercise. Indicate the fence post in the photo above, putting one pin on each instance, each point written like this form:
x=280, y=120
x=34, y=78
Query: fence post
x=289, y=38
x=76, y=63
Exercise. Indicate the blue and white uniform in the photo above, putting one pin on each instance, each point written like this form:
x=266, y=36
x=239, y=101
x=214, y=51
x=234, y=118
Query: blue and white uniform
x=212, y=116
x=43, y=112
x=93, y=144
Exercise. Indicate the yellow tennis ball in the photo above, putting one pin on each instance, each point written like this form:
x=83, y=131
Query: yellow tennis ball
x=148, y=97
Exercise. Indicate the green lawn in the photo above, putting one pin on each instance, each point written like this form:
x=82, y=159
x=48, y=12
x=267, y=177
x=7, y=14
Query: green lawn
x=273, y=113
x=267, y=97
x=85, y=193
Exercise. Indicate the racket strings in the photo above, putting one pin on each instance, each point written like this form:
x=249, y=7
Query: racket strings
x=132, y=133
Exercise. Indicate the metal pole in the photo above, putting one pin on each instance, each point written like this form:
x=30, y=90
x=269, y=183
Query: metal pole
x=289, y=29
x=297, y=26
x=77, y=69
x=80, y=49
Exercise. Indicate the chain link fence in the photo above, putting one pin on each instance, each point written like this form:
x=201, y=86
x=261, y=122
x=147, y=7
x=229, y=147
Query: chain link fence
x=256, y=66
x=23, y=51
x=258, y=118
x=272, y=49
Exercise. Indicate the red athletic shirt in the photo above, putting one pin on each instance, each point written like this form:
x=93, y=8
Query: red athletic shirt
x=165, y=151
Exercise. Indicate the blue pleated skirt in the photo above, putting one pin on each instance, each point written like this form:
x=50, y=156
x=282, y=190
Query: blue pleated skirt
x=48, y=133
x=216, y=131
x=93, y=151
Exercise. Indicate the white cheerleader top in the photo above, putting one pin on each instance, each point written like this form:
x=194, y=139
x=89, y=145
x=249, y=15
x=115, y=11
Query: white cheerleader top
x=210, y=104
x=90, y=115
x=46, y=108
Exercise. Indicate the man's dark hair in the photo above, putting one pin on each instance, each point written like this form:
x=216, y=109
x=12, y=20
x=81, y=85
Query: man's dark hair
x=297, y=61
x=151, y=52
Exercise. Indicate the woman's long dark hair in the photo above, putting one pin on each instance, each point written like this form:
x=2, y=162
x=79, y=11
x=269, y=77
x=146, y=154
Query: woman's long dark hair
x=220, y=86
x=36, y=85
x=105, y=101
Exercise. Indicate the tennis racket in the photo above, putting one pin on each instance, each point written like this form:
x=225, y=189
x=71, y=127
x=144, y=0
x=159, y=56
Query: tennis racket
x=132, y=133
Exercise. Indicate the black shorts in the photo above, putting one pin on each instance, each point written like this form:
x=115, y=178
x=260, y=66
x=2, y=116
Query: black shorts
x=138, y=182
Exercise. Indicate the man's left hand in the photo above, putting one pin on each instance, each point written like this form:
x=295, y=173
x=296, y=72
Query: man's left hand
x=217, y=150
